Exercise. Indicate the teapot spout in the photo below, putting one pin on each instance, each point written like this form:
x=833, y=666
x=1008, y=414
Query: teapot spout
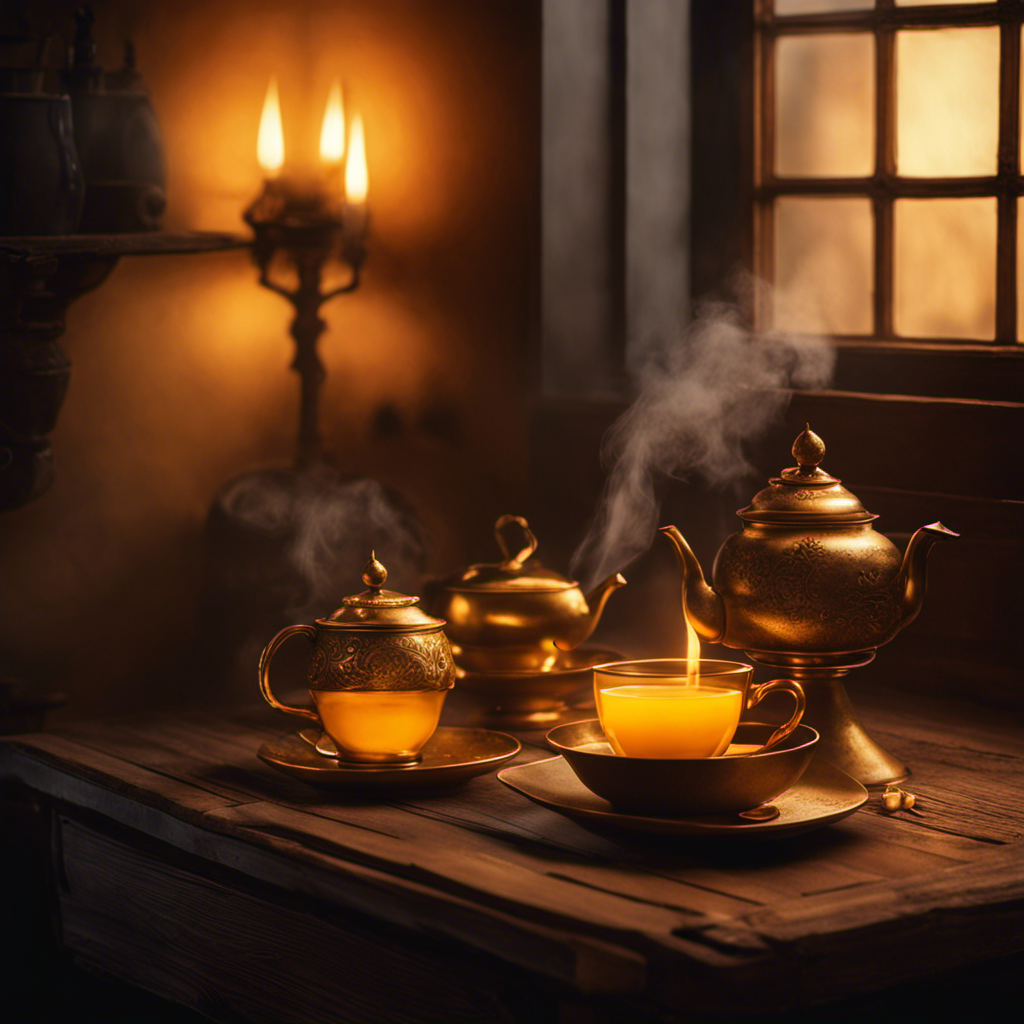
x=703, y=608
x=596, y=601
x=910, y=582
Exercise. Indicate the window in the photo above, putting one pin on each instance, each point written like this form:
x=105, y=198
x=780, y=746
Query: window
x=887, y=169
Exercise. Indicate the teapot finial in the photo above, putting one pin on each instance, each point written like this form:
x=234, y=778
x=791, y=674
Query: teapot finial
x=808, y=450
x=374, y=573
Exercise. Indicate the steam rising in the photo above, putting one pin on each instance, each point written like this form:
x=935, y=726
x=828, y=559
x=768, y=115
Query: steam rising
x=324, y=526
x=700, y=399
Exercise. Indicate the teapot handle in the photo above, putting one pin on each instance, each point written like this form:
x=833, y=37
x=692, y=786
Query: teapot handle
x=756, y=693
x=265, y=658
x=528, y=548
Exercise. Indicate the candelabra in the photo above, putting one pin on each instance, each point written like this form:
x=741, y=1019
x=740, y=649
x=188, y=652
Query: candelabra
x=309, y=230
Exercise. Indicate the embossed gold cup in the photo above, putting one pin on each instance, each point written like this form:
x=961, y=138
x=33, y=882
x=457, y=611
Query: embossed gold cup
x=378, y=673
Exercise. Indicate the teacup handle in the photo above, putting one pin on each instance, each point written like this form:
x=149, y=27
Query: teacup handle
x=756, y=693
x=309, y=632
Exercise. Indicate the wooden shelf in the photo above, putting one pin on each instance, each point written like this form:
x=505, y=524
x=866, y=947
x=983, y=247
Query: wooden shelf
x=152, y=243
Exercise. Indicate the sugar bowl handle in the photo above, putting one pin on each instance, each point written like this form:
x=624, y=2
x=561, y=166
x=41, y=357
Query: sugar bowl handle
x=309, y=632
x=755, y=695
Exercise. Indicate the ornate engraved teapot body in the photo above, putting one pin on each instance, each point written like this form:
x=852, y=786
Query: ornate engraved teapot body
x=509, y=616
x=808, y=574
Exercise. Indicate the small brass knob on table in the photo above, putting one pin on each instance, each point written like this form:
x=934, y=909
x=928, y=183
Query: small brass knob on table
x=894, y=799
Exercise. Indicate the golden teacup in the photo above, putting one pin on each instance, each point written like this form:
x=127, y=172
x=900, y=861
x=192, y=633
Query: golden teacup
x=378, y=674
x=654, y=708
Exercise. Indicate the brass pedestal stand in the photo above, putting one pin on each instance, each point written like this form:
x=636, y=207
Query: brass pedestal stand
x=844, y=741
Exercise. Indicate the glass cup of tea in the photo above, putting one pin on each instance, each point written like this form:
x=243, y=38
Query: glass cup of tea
x=651, y=709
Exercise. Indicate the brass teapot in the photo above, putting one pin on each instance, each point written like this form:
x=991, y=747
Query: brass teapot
x=511, y=616
x=808, y=575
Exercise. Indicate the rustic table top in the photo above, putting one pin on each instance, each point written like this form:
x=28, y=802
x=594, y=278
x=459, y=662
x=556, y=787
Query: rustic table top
x=869, y=901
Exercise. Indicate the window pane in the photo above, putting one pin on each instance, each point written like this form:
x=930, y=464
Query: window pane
x=825, y=105
x=945, y=261
x=821, y=6
x=947, y=102
x=823, y=265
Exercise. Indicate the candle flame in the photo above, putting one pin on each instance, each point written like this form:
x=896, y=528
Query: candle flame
x=332, y=131
x=270, y=140
x=692, y=655
x=356, y=176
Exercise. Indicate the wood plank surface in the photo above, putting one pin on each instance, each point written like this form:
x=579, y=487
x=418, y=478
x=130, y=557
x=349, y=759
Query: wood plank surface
x=207, y=946
x=484, y=866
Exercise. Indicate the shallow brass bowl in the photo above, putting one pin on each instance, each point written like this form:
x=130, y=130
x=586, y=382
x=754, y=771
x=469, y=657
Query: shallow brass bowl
x=670, y=786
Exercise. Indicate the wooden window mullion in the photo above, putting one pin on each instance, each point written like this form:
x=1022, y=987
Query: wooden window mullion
x=1009, y=177
x=764, y=169
x=885, y=175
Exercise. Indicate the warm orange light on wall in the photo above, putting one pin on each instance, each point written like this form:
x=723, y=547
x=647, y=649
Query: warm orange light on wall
x=332, y=132
x=356, y=175
x=270, y=140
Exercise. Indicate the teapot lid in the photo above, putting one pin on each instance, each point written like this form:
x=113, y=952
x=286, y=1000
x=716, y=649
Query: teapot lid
x=377, y=608
x=805, y=493
x=518, y=573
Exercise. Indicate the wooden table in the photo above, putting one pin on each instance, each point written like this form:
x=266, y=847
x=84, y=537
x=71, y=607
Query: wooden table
x=186, y=866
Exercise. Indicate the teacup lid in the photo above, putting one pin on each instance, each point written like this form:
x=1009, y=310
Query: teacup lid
x=377, y=608
x=805, y=492
x=518, y=573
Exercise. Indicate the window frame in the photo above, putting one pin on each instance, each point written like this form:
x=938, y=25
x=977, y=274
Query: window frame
x=885, y=186
x=722, y=225
x=601, y=191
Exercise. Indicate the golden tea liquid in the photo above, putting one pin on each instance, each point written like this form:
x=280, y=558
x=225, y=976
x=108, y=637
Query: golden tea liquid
x=669, y=720
x=379, y=725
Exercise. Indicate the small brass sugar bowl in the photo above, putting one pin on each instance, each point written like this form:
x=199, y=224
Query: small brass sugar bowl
x=516, y=615
x=378, y=673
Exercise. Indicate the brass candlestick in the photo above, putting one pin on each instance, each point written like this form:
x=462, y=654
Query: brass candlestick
x=310, y=230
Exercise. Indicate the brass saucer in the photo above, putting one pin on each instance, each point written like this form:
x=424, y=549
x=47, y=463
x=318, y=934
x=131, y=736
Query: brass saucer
x=823, y=795
x=450, y=755
x=531, y=699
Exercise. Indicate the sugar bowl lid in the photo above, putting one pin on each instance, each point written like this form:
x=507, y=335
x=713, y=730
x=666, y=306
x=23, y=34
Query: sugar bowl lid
x=805, y=493
x=518, y=573
x=377, y=608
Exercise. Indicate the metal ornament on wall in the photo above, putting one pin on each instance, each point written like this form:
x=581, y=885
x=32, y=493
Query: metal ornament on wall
x=117, y=137
x=104, y=121
x=40, y=174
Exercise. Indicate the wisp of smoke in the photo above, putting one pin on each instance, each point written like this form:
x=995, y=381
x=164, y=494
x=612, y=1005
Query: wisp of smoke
x=337, y=525
x=319, y=528
x=700, y=399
